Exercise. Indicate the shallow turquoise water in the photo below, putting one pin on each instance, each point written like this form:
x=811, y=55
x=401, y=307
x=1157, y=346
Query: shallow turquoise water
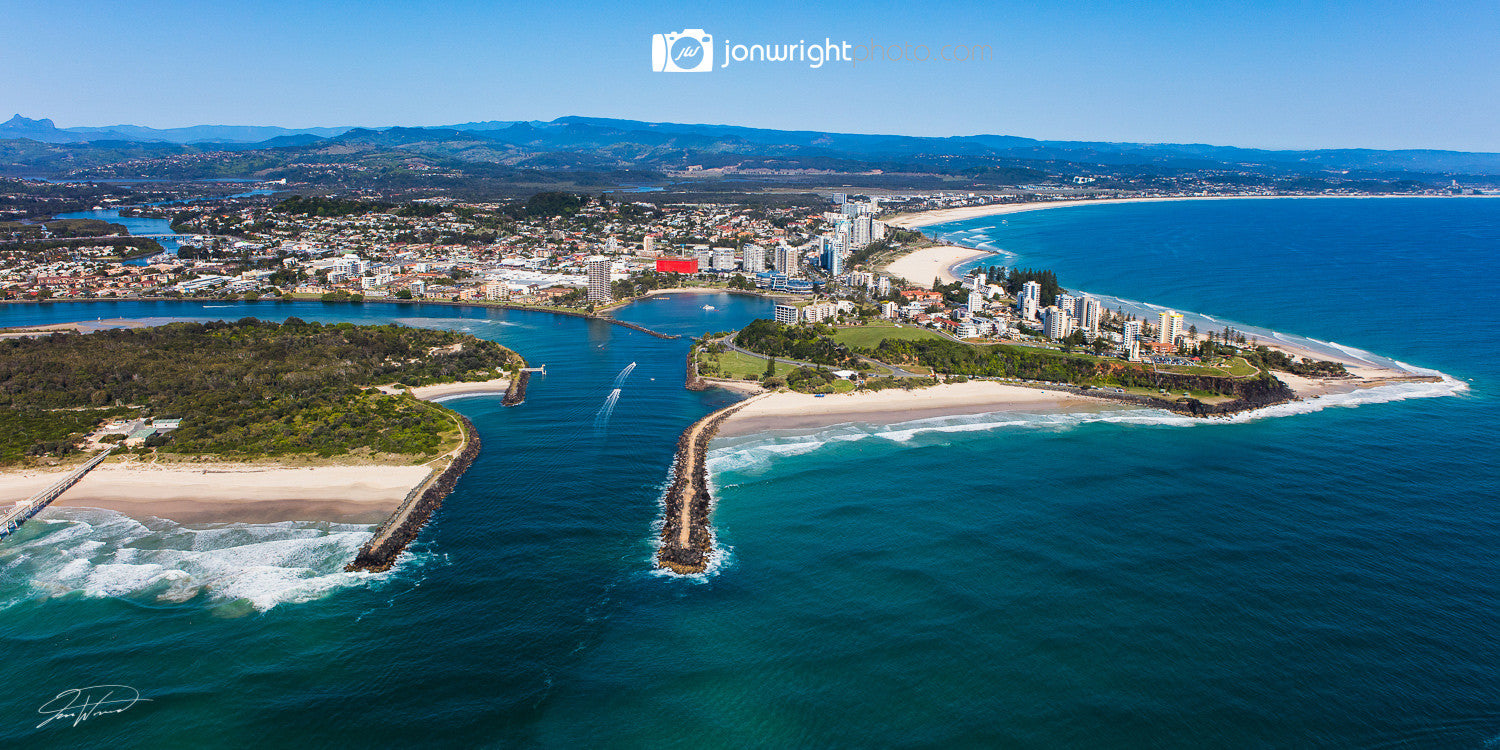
x=1320, y=579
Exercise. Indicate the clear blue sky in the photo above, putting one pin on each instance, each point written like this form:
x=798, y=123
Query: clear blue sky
x=1264, y=74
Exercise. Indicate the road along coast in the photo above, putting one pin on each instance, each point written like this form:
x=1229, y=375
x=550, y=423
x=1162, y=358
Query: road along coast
x=686, y=539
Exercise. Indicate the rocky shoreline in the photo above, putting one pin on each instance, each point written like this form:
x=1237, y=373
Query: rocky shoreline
x=686, y=539
x=694, y=381
x=516, y=392
x=401, y=529
x=1249, y=395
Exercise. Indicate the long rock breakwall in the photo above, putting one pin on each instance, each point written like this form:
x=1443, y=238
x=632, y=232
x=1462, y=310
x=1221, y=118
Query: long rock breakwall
x=401, y=529
x=686, y=539
x=515, y=393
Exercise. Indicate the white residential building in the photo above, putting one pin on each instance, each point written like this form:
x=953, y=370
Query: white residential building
x=349, y=265
x=723, y=259
x=600, y=268
x=1169, y=327
x=788, y=260
x=786, y=314
x=1029, y=303
x=1057, y=322
x=1131, y=340
x=819, y=311
x=1068, y=304
x=1089, y=312
x=755, y=259
x=861, y=231
x=976, y=302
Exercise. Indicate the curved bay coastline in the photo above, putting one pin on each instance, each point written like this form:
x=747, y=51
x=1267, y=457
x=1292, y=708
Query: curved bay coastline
x=264, y=492
x=1128, y=578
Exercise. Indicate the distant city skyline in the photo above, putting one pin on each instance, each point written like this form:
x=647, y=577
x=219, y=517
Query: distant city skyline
x=1275, y=75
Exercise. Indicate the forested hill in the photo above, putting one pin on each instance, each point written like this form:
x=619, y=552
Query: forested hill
x=242, y=389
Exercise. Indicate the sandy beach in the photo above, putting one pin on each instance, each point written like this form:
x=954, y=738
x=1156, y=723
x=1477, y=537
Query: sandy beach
x=229, y=492
x=210, y=492
x=785, y=410
x=747, y=387
x=922, y=266
x=83, y=326
x=496, y=386
x=944, y=215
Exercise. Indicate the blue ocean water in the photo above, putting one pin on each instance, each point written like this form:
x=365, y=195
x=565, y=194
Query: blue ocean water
x=1322, y=579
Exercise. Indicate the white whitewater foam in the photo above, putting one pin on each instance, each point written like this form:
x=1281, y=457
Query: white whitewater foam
x=1424, y=371
x=719, y=556
x=100, y=553
x=755, y=456
x=1358, y=397
x=1358, y=355
x=475, y=394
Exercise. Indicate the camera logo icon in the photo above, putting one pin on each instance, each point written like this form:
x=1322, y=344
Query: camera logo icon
x=691, y=51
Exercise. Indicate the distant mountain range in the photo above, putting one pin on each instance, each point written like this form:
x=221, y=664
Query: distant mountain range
x=45, y=131
x=506, y=149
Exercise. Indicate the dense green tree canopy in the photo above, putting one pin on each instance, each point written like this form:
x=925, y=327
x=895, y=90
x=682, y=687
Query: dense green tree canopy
x=251, y=387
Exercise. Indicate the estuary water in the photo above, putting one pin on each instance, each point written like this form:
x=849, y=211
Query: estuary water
x=1120, y=579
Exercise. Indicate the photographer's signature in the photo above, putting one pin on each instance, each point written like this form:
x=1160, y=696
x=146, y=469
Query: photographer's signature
x=82, y=704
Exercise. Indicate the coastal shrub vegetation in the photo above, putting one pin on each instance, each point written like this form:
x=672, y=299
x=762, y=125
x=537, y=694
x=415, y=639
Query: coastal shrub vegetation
x=1273, y=359
x=247, y=388
x=804, y=343
x=40, y=432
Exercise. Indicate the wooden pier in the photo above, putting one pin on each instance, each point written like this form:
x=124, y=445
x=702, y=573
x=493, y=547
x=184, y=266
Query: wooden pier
x=12, y=518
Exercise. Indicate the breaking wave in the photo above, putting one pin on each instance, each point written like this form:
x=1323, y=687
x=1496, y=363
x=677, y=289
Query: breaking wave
x=754, y=454
x=90, y=552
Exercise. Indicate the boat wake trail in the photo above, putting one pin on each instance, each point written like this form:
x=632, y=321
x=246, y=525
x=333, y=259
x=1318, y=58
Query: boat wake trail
x=601, y=418
x=625, y=373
